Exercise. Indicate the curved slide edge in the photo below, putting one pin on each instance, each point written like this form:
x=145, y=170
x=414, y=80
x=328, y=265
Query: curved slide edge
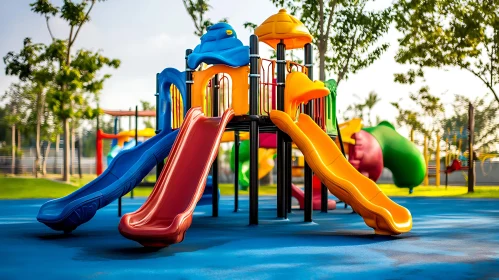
x=167, y=214
x=342, y=179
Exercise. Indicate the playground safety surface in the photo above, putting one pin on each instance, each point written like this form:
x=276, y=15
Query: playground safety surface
x=451, y=238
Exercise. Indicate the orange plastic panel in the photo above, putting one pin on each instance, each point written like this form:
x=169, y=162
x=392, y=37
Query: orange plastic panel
x=240, y=87
x=283, y=26
x=299, y=88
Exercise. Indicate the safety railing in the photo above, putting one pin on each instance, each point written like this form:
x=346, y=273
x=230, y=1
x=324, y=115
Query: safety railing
x=177, y=107
x=268, y=89
x=224, y=86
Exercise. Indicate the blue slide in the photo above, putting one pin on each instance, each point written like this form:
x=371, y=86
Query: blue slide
x=126, y=171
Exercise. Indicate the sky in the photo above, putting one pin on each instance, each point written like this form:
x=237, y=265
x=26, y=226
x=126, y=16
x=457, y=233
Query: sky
x=150, y=35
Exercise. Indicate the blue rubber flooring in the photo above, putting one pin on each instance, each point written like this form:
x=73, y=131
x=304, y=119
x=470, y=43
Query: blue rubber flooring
x=451, y=239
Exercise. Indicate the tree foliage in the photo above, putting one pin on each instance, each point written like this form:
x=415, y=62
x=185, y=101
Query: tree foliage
x=449, y=33
x=197, y=10
x=67, y=81
x=486, y=121
x=346, y=34
x=363, y=109
x=147, y=106
x=424, y=115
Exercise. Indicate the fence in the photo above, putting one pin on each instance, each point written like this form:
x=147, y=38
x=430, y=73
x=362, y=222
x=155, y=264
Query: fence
x=26, y=165
x=486, y=174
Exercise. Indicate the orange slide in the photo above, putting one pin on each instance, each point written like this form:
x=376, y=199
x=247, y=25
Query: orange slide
x=341, y=178
x=167, y=213
x=323, y=156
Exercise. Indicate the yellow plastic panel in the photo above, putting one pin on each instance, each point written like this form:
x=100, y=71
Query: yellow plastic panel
x=125, y=135
x=347, y=129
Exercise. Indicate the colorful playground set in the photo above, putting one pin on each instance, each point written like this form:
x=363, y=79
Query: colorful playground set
x=227, y=93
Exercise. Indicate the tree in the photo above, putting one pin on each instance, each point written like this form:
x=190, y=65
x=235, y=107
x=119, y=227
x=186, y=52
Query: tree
x=346, y=35
x=486, y=121
x=426, y=114
x=449, y=33
x=29, y=66
x=354, y=110
x=197, y=10
x=17, y=116
x=357, y=109
x=147, y=106
x=371, y=100
x=77, y=82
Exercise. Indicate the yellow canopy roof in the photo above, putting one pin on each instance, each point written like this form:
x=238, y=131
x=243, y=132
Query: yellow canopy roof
x=283, y=26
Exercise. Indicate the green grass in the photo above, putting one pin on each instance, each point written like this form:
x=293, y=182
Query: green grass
x=433, y=191
x=225, y=189
x=24, y=188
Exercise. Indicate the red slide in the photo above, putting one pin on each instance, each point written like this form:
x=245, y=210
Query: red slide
x=167, y=213
x=316, y=199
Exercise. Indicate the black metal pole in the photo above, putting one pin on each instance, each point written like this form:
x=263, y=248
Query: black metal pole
x=281, y=145
x=341, y=142
x=254, y=130
x=287, y=173
x=309, y=110
x=119, y=207
x=161, y=163
x=188, y=81
x=214, y=167
x=130, y=119
x=471, y=160
x=339, y=138
x=236, y=171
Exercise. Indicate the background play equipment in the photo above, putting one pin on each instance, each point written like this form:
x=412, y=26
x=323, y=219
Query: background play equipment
x=117, y=138
x=266, y=155
x=400, y=156
x=125, y=141
x=366, y=155
x=458, y=159
x=342, y=179
x=167, y=214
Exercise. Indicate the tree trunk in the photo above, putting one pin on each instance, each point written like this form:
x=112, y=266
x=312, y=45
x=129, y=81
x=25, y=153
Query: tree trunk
x=45, y=156
x=39, y=114
x=73, y=149
x=322, y=63
x=13, y=164
x=66, y=151
x=19, y=149
x=57, y=140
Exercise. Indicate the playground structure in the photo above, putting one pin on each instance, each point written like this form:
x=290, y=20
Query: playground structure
x=283, y=100
x=119, y=138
